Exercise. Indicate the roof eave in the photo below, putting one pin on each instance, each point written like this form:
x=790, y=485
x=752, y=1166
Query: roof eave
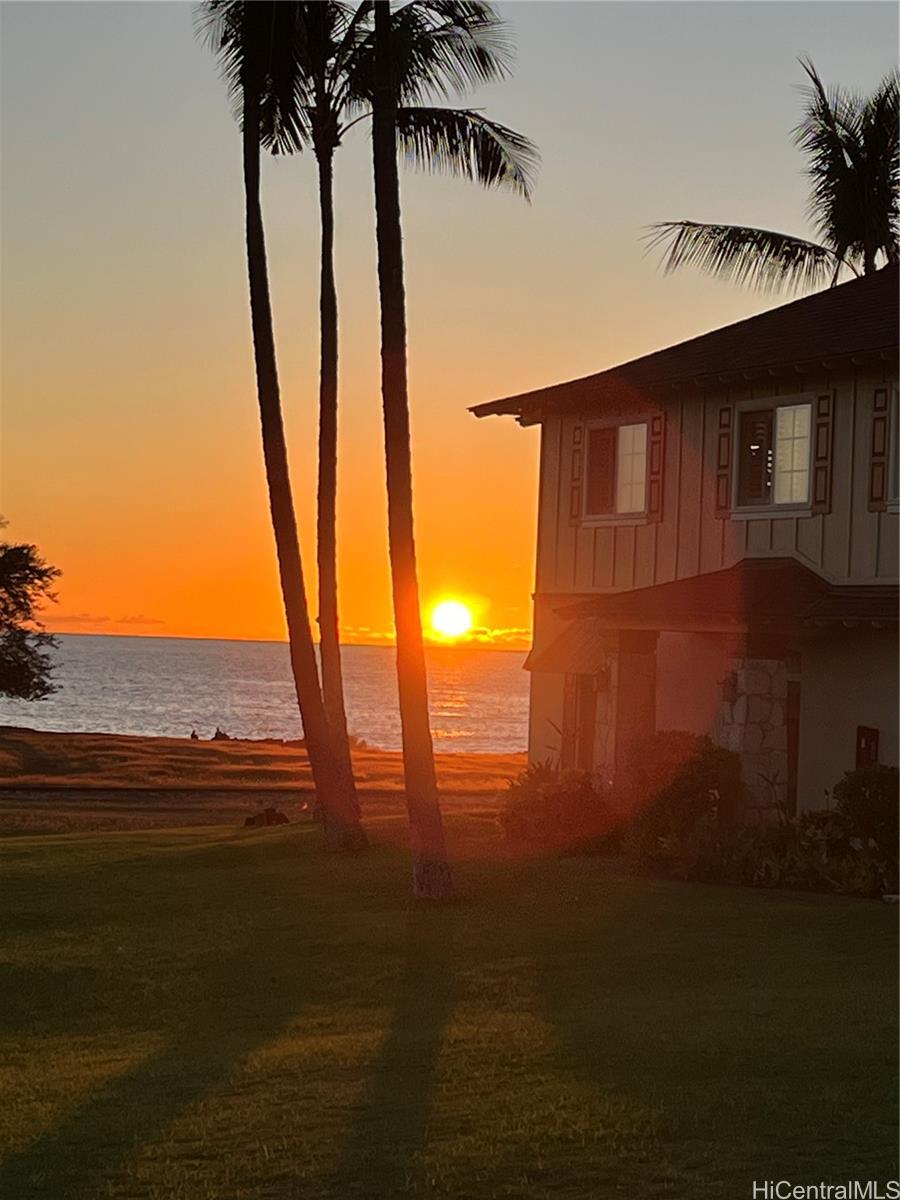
x=531, y=408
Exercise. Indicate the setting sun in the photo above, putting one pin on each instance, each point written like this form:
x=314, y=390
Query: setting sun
x=451, y=619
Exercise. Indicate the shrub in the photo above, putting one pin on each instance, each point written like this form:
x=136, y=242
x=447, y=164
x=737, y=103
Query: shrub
x=679, y=813
x=686, y=804
x=557, y=811
x=813, y=851
x=867, y=799
x=683, y=793
x=823, y=833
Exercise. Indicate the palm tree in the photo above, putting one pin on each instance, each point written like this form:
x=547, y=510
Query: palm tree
x=853, y=162
x=255, y=44
x=431, y=870
x=443, y=47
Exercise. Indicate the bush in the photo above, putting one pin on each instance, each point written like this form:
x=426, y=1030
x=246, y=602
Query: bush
x=867, y=799
x=684, y=793
x=679, y=813
x=557, y=812
x=686, y=804
x=813, y=851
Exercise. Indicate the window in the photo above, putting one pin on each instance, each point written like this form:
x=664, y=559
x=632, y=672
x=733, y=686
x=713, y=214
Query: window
x=616, y=477
x=792, y=454
x=773, y=455
x=866, y=746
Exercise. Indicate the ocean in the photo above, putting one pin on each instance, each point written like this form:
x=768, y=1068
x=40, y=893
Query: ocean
x=167, y=687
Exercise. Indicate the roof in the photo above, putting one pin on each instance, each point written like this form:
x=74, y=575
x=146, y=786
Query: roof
x=755, y=594
x=764, y=589
x=582, y=648
x=856, y=605
x=858, y=317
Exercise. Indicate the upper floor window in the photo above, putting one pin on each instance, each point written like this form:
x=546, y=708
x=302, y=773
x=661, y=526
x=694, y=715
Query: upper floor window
x=616, y=475
x=774, y=448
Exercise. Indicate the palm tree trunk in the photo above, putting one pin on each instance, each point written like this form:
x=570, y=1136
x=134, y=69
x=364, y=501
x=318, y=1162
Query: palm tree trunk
x=431, y=872
x=326, y=544
x=342, y=826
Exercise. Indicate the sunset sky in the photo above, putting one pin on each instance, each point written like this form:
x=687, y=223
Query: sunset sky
x=130, y=444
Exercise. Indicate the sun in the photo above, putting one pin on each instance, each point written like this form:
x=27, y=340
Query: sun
x=451, y=619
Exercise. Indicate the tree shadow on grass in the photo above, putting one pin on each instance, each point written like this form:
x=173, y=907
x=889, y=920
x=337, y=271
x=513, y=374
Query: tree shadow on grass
x=389, y=1124
x=240, y=1004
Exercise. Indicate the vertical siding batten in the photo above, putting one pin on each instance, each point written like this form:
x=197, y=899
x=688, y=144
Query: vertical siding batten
x=541, y=534
x=691, y=484
x=701, y=458
x=634, y=557
x=558, y=522
x=623, y=557
x=678, y=489
x=851, y=482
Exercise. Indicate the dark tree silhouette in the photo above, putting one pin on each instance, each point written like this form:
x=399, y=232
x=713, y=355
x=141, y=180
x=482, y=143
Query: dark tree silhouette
x=431, y=870
x=853, y=162
x=255, y=43
x=441, y=48
x=26, y=581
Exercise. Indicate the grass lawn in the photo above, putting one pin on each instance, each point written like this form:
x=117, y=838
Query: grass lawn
x=225, y=1013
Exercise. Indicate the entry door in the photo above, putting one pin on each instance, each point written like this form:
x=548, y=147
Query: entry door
x=579, y=722
x=587, y=722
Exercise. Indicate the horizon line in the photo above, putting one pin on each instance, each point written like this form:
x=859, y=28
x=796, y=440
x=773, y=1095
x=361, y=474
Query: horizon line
x=192, y=637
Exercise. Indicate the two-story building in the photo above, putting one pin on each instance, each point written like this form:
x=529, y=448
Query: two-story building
x=718, y=546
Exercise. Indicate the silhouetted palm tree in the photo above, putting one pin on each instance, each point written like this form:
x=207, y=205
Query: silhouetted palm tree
x=431, y=870
x=440, y=47
x=851, y=144
x=255, y=42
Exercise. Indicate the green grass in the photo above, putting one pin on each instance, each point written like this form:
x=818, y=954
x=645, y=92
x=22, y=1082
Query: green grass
x=214, y=1013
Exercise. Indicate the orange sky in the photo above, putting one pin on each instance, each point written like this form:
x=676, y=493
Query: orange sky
x=130, y=447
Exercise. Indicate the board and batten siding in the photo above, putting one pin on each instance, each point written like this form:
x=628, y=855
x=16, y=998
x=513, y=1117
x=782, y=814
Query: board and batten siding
x=848, y=543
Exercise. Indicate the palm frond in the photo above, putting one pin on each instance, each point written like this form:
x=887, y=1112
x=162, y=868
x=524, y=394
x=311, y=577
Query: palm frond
x=352, y=35
x=760, y=258
x=438, y=48
x=851, y=146
x=257, y=47
x=465, y=143
x=828, y=135
x=881, y=146
x=470, y=44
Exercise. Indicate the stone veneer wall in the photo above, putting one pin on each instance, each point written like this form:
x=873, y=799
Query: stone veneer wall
x=752, y=722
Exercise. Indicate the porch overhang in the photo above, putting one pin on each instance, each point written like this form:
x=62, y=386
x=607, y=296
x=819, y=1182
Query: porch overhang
x=765, y=597
x=581, y=649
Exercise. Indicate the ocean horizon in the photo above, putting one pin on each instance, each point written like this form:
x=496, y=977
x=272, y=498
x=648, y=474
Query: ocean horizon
x=474, y=644
x=162, y=686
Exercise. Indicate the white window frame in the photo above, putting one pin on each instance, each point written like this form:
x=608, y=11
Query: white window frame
x=791, y=508
x=639, y=516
